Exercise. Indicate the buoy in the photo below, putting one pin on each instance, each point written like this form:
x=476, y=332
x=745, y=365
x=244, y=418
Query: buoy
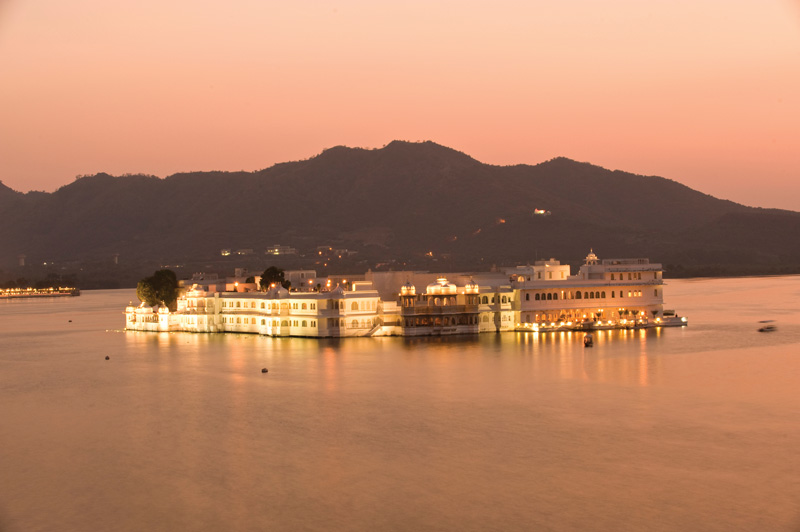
x=107, y=357
x=264, y=370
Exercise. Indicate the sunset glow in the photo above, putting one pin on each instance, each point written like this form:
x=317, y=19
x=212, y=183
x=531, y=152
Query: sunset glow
x=705, y=92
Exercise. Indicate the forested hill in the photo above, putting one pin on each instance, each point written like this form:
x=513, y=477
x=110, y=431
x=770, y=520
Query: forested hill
x=399, y=202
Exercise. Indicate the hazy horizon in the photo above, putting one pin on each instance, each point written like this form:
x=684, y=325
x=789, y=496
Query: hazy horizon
x=704, y=93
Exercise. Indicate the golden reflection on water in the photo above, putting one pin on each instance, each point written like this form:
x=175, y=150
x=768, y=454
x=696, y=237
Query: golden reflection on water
x=618, y=356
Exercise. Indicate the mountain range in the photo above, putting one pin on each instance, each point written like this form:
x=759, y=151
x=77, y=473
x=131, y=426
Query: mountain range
x=403, y=205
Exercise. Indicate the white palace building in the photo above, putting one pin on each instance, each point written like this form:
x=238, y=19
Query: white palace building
x=604, y=294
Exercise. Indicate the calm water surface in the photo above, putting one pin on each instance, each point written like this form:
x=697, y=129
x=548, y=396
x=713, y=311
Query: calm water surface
x=682, y=429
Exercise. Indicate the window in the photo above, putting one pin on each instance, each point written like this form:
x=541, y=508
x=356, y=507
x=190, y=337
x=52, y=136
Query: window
x=354, y=324
x=527, y=297
x=354, y=306
x=313, y=306
x=313, y=323
x=612, y=276
x=655, y=292
x=305, y=323
x=485, y=300
x=586, y=295
x=262, y=305
x=505, y=299
x=263, y=322
x=238, y=304
x=238, y=320
x=591, y=295
x=549, y=297
x=577, y=295
x=536, y=297
x=252, y=304
x=303, y=306
x=555, y=296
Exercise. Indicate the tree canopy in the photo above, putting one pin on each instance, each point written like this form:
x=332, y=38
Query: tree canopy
x=273, y=275
x=161, y=287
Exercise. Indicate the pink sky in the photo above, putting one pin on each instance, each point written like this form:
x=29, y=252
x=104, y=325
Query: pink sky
x=705, y=92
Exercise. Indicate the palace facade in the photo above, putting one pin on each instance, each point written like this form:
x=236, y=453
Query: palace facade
x=610, y=293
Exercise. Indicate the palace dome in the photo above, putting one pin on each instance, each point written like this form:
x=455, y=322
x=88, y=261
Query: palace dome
x=408, y=289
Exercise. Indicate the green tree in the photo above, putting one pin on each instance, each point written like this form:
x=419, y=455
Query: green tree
x=161, y=287
x=273, y=275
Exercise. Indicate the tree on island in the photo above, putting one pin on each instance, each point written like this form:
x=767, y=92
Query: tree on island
x=273, y=275
x=160, y=288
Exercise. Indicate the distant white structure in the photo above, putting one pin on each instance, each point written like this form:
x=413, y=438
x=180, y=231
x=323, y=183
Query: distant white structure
x=278, y=249
x=610, y=293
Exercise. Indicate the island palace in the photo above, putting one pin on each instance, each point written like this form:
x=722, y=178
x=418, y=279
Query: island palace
x=604, y=294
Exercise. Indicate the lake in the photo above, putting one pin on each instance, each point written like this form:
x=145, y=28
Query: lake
x=693, y=428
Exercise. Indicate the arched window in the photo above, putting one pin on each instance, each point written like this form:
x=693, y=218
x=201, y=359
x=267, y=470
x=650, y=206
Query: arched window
x=591, y=295
x=555, y=296
x=354, y=324
x=238, y=304
x=263, y=322
x=586, y=295
x=549, y=297
x=527, y=297
x=485, y=300
x=597, y=295
x=354, y=306
x=603, y=295
x=577, y=295
x=536, y=297
x=303, y=306
x=505, y=299
x=284, y=323
x=262, y=305
x=304, y=324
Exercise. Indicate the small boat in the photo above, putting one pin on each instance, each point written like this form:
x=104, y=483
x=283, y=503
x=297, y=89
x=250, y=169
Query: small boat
x=769, y=327
x=588, y=341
